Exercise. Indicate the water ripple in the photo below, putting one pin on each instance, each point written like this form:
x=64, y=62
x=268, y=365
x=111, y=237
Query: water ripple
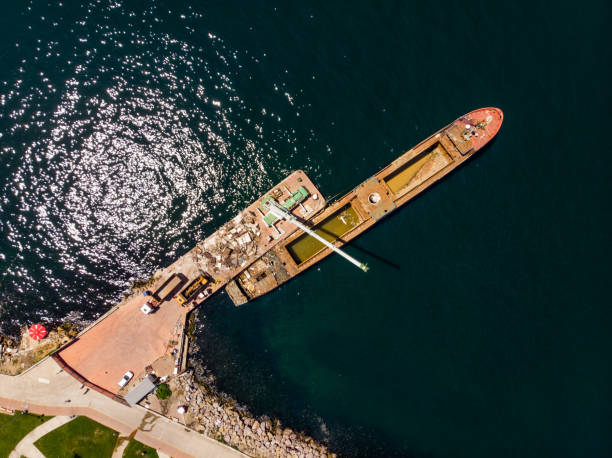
x=126, y=138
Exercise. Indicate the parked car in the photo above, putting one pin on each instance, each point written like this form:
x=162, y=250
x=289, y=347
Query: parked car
x=125, y=379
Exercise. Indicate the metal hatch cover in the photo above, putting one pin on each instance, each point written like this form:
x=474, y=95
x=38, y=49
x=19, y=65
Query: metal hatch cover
x=374, y=197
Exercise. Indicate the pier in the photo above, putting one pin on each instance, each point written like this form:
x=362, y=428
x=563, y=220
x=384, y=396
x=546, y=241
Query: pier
x=129, y=340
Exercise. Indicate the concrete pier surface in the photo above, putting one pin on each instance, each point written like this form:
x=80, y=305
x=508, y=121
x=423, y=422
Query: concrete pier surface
x=129, y=340
x=49, y=390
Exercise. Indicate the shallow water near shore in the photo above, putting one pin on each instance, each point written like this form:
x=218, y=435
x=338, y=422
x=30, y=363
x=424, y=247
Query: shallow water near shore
x=129, y=133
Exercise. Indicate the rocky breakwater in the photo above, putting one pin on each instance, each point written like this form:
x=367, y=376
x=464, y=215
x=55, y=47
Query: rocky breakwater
x=218, y=416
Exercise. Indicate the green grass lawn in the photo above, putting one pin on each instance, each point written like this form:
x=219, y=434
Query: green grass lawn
x=80, y=437
x=135, y=449
x=14, y=427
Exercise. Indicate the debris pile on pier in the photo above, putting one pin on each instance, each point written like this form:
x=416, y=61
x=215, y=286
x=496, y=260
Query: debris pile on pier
x=232, y=246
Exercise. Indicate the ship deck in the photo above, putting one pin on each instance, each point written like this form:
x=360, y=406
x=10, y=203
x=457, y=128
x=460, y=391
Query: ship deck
x=359, y=209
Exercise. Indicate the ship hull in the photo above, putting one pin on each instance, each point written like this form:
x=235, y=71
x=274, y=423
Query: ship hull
x=377, y=197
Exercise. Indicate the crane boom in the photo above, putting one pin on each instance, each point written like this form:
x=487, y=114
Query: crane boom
x=273, y=207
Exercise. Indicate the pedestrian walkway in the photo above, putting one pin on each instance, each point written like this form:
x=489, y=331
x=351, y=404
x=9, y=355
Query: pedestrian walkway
x=118, y=452
x=47, y=389
x=26, y=446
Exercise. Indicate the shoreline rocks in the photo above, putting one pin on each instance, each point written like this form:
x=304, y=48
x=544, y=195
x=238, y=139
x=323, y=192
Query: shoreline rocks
x=219, y=416
x=209, y=411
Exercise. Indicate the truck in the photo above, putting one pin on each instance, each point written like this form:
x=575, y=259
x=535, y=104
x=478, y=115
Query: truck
x=191, y=290
x=148, y=307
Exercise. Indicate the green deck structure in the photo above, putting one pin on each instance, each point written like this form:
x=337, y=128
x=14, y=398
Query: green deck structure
x=297, y=197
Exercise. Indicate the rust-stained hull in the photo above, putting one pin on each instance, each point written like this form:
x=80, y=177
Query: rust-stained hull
x=393, y=186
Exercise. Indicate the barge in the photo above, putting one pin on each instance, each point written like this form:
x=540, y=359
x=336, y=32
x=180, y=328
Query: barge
x=359, y=209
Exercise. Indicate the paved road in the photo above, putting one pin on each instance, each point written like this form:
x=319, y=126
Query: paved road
x=47, y=389
x=26, y=446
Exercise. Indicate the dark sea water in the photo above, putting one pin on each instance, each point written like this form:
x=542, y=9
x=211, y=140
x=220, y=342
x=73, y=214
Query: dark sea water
x=130, y=132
